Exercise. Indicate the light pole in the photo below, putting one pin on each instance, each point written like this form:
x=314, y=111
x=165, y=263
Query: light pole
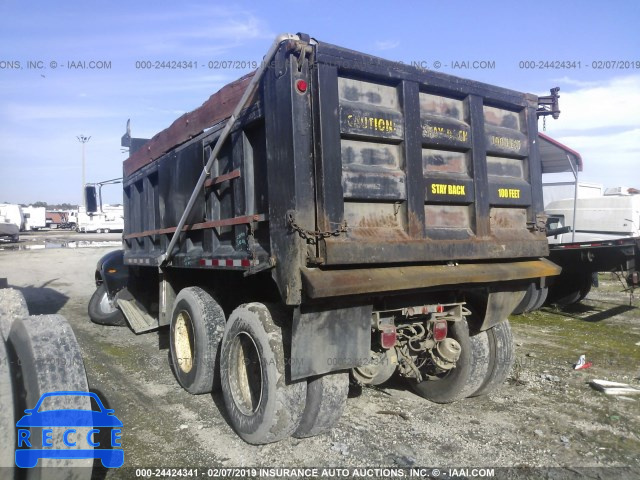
x=83, y=139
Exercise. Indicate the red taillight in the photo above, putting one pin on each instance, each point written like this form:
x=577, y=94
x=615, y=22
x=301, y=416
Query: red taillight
x=439, y=309
x=301, y=85
x=439, y=330
x=388, y=336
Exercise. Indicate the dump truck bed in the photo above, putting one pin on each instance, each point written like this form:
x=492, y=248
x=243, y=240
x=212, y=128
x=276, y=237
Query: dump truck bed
x=344, y=161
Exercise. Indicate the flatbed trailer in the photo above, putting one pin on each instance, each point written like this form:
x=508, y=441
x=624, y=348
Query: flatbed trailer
x=581, y=260
x=332, y=212
x=597, y=233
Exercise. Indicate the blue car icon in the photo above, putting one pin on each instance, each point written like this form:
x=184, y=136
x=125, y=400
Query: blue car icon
x=30, y=449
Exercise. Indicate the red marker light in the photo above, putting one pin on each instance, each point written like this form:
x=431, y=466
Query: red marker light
x=301, y=85
x=440, y=330
x=388, y=336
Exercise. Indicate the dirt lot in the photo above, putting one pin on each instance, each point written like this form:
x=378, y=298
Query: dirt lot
x=546, y=416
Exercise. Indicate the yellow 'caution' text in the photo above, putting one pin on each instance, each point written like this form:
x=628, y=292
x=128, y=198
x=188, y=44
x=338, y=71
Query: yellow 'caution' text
x=371, y=123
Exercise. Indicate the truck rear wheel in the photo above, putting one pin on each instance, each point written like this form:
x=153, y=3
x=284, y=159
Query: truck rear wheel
x=585, y=288
x=263, y=404
x=533, y=299
x=501, y=357
x=47, y=358
x=526, y=301
x=7, y=420
x=380, y=368
x=570, y=289
x=470, y=370
x=197, y=327
x=102, y=312
x=48, y=355
x=541, y=298
x=12, y=305
x=326, y=400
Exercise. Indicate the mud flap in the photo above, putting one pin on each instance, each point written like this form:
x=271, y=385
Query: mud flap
x=329, y=340
x=495, y=307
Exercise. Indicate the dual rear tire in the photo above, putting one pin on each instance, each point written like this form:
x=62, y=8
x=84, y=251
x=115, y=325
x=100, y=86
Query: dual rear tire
x=534, y=298
x=485, y=362
x=248, y=358
x=197, y=327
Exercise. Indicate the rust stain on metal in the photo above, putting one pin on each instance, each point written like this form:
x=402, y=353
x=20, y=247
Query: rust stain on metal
x=222, y=178
x=201, y=226
x=508, y=218
x=501, y=118
x=384, y=221
x=445, y=162
x=442, y=106
x=451, y=216
x=380, y=227
x=415, y=226
x=334, y=283
x=218, y=107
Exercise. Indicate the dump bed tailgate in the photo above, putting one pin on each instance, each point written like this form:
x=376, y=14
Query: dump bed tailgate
x=422, y=166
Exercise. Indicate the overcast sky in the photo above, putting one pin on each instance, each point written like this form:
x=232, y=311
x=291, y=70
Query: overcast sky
x=46, y=104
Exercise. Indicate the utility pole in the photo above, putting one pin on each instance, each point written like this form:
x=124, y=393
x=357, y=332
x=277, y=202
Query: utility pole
x=83, y=139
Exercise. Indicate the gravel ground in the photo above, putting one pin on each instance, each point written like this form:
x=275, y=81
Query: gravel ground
x=545, y=416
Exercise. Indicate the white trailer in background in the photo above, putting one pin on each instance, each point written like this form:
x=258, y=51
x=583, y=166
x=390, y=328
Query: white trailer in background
x=35, y=218
x=11, y=221
x=101, y=218
x=562, y=190
x=614, y=215
x=111, y=219
x=12, y=214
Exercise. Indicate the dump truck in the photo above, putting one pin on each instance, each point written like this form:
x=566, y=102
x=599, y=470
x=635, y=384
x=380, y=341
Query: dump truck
x=332, y=214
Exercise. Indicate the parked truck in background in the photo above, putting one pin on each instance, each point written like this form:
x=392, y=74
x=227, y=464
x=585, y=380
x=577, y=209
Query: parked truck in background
x=332, y=212
x=57, y=219
x=594, y=230
x=34, y=218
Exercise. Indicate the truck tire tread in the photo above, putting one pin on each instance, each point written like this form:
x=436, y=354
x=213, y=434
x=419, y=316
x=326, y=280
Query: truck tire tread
x=48, y=358
x=526, y=300
x=326, y=400
x=12, y=305
x=7, y=415
x=501, y=357
x=279, y=410
x=207, y=321
x=543, y=293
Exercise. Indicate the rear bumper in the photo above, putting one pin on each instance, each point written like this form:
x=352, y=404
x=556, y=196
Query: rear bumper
x=335, y=283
